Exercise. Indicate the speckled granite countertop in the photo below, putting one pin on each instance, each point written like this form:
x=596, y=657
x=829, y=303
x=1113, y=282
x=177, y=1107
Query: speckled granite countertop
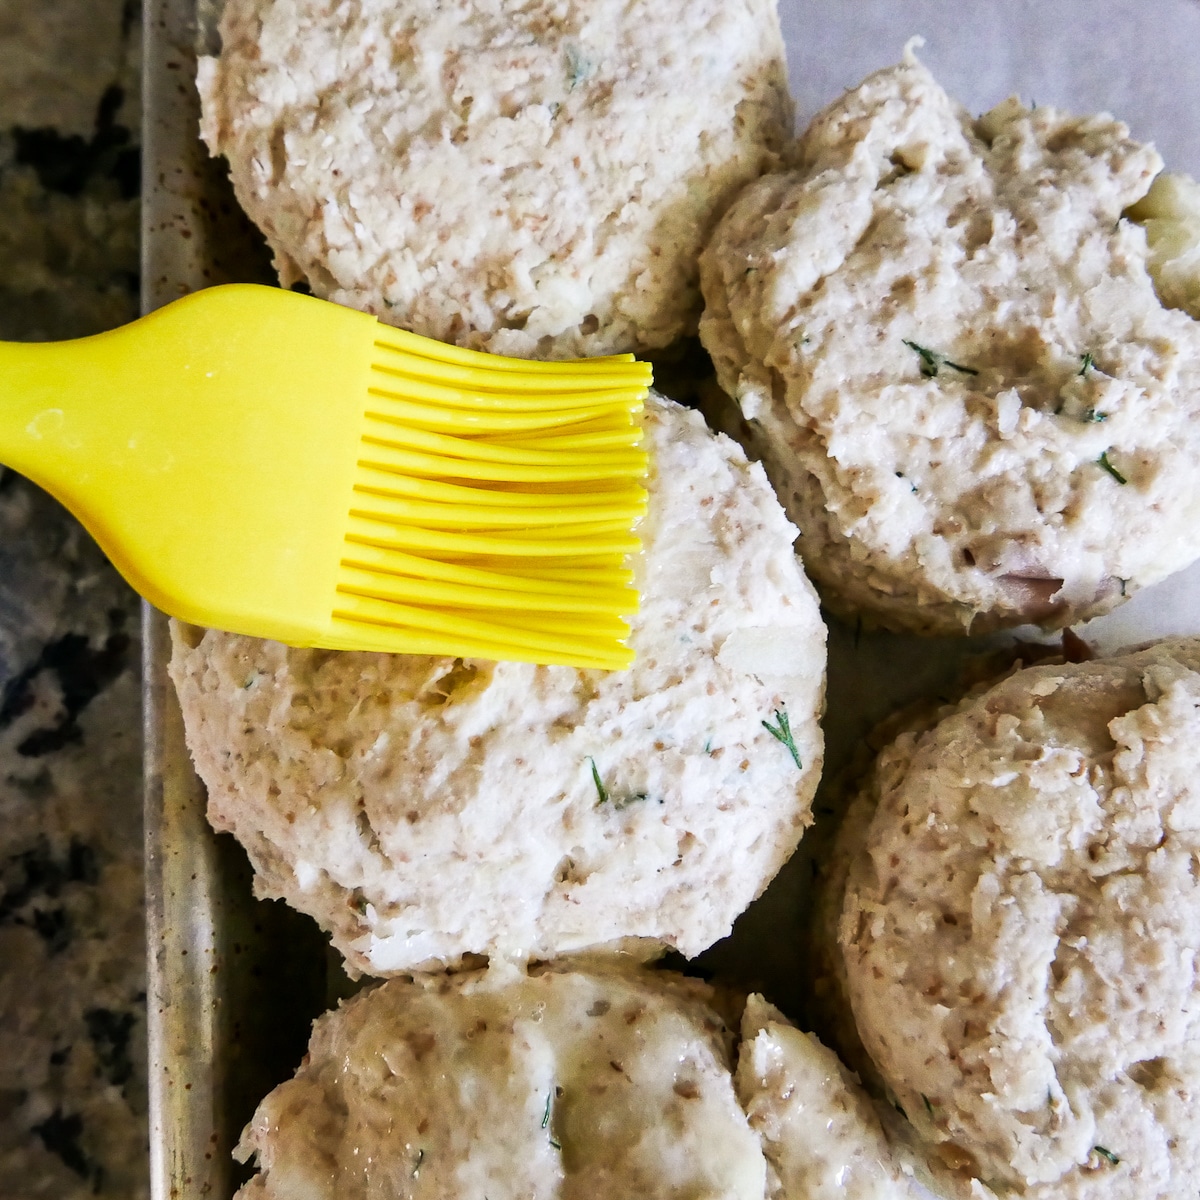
x=72, y=943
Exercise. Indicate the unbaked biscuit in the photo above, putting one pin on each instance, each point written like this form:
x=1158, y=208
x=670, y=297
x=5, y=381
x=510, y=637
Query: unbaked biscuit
x=423, y=809
x=947, y=341
x=535, y=179
x=574, y=1084
x=822, y=1135
x=1020, y=926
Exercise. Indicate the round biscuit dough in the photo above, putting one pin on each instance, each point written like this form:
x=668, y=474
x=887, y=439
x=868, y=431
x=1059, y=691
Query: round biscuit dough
x=534, y=179
x=954, y=363
x=572, y=1084
x=1021, y=923
x=423, y=809
x=823, y=1137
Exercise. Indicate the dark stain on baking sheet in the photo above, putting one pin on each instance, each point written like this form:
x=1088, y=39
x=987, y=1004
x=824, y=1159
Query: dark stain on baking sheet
x=81, y=673
x=67, y=163
x=682, y=371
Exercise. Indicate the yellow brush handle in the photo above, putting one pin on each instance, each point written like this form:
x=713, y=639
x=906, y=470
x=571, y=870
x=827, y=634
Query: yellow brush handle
x=210, y=499
x=56, y=428
x=39, y=423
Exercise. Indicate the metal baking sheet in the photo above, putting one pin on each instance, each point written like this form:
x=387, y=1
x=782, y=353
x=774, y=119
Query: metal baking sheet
x=234, y=982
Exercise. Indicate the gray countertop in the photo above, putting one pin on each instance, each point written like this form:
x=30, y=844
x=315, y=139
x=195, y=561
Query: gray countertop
x=72, y=942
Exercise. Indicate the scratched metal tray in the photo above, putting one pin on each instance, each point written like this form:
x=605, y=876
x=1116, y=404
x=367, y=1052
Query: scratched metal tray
x=234, y=983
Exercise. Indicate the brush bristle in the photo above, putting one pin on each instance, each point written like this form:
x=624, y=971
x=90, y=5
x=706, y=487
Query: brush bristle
x=495, y=506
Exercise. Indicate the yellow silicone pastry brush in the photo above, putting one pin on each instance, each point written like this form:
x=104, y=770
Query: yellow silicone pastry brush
x=271, y=464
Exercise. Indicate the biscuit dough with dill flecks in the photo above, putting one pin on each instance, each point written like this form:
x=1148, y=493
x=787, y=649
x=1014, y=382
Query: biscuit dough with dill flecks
x=583, y=1082
x=425, y=809
x=947, y=340
x=583, y=1079
x=534, y=179
x=1020, y=928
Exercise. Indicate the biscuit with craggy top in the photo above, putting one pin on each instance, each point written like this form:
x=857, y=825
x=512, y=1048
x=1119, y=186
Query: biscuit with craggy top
x=1020, y=924
x=955, y=366
x=586, y=1082
x=424, y=809
x=533, y=179
x=584, y=1079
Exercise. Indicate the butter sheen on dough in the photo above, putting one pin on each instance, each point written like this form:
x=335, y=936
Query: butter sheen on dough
x=570, y=1084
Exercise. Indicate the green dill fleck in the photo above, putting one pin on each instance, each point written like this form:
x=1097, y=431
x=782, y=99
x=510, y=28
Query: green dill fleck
x=579, y=67
x=932, y=361
x=606, y=797
x=546, y=1121
x=1102, y=461
x=928, y=1106
x=782, y=732
x=602, y=792
x=708, y=745
x=929, y=360
x=1105, y=1153
x=1092, y=417
x=416, y=1171
x=1088, y=363
x=959, y=367
x=361, y=905
x=1124, y=584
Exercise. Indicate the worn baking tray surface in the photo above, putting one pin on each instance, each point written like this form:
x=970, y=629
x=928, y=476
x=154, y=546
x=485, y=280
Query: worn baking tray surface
x=233, y=982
